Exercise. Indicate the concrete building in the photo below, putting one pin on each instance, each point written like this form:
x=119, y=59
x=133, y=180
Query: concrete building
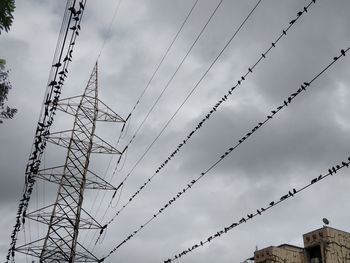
x=324, y=245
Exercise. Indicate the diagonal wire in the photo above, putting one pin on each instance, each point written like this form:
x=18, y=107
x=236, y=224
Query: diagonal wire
x=190, y=93
x=142, y=93
x=231, y=149
x=260, y=211
x=200, y=124
x=175, y=72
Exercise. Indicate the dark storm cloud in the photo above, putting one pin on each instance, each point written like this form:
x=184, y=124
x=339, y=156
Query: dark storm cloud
x=299, y=143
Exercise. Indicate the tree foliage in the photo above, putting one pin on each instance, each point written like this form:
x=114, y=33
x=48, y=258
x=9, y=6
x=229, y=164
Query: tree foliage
x=5, y=111
x=6, y=14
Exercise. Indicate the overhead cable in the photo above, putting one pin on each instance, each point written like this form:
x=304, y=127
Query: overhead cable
x=291, y=193
x=303, y=87
x=207, y=116
x=63, y=55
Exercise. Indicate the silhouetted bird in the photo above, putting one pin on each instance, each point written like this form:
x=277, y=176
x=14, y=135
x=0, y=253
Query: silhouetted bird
x=300, y=13
x=335, y=58
x=334, y=170
x=250, y=215
x=292, y=22
x=250, y=70
x=284, y=32
x=345, y=164
x=72, y=9
x=314, y=180
x=272, y=203
x=34, y=156
x=263, y=55
x=258, y=211
x=273, y=44
x=52, y=83
x=319, y=177
x=81, y=5
x=330, y=171
x=305, y=9
x=284, y=197
x=342, y=52
x=57, y=65
x=290, y=193
x=67, y=58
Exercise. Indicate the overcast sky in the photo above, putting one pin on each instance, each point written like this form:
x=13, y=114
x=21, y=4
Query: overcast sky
x=299, y=143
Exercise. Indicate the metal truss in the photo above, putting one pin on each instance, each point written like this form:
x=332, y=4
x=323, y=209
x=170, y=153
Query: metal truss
x=66, y=216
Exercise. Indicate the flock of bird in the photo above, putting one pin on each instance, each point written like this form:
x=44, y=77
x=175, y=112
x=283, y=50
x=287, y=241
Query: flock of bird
x=50, y=106
x=208, y=115
x=229, y=150
x=249, y=216
x=286, y=102
x=60, y=71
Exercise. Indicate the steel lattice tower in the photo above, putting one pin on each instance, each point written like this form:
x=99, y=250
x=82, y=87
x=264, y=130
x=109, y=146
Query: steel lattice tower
x=66, y=216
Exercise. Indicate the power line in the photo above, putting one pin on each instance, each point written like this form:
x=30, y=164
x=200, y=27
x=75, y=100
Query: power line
x=286, y=102
x=208, y=115
x=260, y=211
x=71, y=22
x=169, y=81
x=163, y=58
x=175, y=72
x=110, y=27
x=142, y=93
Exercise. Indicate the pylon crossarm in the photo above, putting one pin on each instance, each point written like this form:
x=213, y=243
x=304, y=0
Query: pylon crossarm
x=99, y=145
x=32, y=249
x=69, y=105
x=105, y=113
x=44, y=214
x=98, y=183
x=54, y=175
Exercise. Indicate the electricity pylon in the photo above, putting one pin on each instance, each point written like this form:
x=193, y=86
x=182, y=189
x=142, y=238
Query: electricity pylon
x=67, y=216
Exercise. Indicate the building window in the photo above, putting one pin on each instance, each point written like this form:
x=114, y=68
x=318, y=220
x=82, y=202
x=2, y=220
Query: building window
x=314, y=254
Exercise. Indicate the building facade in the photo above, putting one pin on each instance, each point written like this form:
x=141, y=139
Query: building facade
x=324, y=245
